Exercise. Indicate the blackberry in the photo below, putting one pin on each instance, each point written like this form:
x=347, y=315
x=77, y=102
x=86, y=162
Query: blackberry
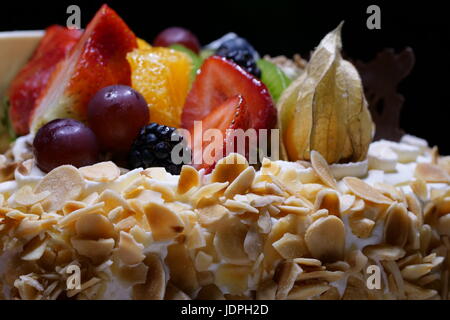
x=242, y=53
x=153, y=148
x=245, y=60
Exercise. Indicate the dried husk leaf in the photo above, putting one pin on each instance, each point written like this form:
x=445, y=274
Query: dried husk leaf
x=325, y=109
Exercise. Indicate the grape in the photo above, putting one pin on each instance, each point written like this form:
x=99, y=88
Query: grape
x=116, y=114
x=177, y=35
x=65, y=141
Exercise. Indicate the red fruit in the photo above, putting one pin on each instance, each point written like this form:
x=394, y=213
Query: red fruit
x=96, y=61
x=230, y=115
x=177, y=35
x=220, y=79
x=32, y=79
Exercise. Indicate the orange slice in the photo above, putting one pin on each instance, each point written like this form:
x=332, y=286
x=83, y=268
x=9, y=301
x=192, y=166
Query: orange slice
x=161, y=75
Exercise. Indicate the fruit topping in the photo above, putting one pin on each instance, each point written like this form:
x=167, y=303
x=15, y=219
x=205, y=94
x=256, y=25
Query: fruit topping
x=33, y=77
x=196, y=60
x=273, y=77
x=96, y=61
x=162, y=76
x=325, y=109
x=219, y=79
x=153, y=148
x=231, y=115
x=116, y=114
x=177, y=35
x=241, y=52
x=65, y=141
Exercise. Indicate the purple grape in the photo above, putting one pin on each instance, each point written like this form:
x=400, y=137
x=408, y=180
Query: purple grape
x=65, y=141
x=177, y=35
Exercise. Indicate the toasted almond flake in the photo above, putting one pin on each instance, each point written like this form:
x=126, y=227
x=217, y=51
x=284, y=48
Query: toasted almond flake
x=329, y=276
x=384, y=252
x=264, y=222
x=203, y=261
x=269, y=167
x=300, y=211
x=365, y=191
x=290, y=246
x=129, y=251
x=428, y=279
x=91, y=199
x=189, y=178
x=285, y=276
x=155, y=283
x=430, y=173
x=307, y=291
x=309, y=262
x=265, y=201
x=206, y=191
x=325, y=239
x=241, y=184
x=361, y=227
x=196, y=238
x=101, y=172
x=164, y=223
x=253, y=243
x=229, y=241
x=322, y=169
x=346, y=202
x=37, y=209
x=64, y=183
x=97, y=250
x=239, y=206
x=444, y=225
x=322, y=213
x=34, y=249
x=415, y=271
x=26, y=197
x=227, y=169
x=181, y=268
x=75, y=215
x=173, y=293
x=72, y=205
x=414, y=292
x=397, y=225
x=19, y=215
x=94, y=226
x=31, y=228
x=167, y=191
x=328, y=199
x=211, y=215
x=233, y=278
x=419, y=187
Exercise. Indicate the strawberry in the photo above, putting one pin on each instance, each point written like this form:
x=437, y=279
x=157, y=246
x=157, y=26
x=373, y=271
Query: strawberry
x=33, y=77
x=220, y=79
x=96, y=61
x=232, y=114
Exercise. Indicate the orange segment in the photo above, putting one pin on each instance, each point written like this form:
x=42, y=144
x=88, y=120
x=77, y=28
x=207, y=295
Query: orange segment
x=161, y=75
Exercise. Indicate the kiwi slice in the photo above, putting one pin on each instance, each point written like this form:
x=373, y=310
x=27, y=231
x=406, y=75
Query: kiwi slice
x=272, y=76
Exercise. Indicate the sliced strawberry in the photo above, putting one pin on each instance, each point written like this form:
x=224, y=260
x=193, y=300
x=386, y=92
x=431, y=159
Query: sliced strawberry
x=220, y=79
x=230, y=115
x=96, y=61
x=33, y=77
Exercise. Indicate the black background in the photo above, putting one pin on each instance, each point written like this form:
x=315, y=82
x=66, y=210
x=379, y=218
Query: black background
x=288, y=27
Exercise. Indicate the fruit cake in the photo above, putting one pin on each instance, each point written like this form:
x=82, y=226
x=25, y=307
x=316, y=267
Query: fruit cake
x=106, y=191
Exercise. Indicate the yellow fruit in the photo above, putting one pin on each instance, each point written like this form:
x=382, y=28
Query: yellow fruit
x=161, y=75
x=142, y=44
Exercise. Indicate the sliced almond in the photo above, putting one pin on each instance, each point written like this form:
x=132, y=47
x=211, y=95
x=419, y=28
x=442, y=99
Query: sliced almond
x=173, y=293
x=328, y=199
x=203, y=261
x=164, y=223
x=26, y=197
x=384, y=252
x=133, y=274
x=416, y=271
x=233, y=278
x=444, y=225
x=290, y=246
x=94, y=226
x=229, y=241
x=129, y=251
x=181, y=268
x=97, y=250
x=101, y=172
x=325, y=239
x=322, y=169
x=77, y=214
x=286, y=275
x=155, y=284
x=431, y=173
x=365, y=191
x=397, y=225
x=241, y=184
x=419, y=187
x=189, y=178
x=229, y=168
x=64, y=183
x=34, y=249
x=211, y=215
x=307, y=291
